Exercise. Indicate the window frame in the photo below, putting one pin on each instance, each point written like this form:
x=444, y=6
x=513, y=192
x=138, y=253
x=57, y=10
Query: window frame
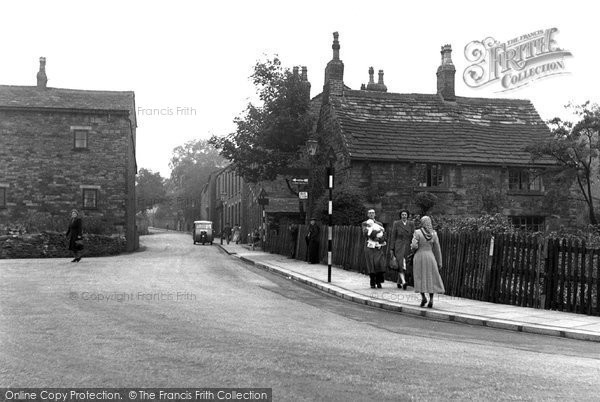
x=528, y=222
x=431, y=179
x=75, y=130
x=96, y=197
x=523, y=180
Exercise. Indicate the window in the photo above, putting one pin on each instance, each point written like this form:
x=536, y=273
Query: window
x=2, y=197
x=524, y=180
x=530, y=223
x=90, y=198
x=80, y=139
x=431, y=175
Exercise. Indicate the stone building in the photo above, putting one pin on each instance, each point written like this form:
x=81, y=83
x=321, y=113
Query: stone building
x=62, y=149
x=467, y=151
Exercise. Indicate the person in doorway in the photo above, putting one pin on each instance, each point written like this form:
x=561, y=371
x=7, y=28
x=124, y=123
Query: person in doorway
x=227, y=232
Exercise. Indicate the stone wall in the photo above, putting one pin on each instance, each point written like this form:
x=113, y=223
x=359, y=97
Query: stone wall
x=54, y=245
x=42, y=172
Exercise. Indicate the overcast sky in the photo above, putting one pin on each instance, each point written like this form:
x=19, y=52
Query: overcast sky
x=188, y=54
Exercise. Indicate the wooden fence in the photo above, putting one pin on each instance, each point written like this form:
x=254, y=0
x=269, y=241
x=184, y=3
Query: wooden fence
x=519, y=270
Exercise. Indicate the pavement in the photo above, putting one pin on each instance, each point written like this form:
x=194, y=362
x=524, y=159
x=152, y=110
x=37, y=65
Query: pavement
x=353, y=286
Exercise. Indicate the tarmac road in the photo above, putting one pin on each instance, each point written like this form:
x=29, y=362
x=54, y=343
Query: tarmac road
x=179, y=315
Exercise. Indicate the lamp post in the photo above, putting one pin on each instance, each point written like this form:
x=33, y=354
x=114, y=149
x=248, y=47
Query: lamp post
x=331, y=159
x=223, y=199
x=311, y=148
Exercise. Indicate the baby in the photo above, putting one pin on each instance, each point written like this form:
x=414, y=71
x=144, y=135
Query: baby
x=375, y=233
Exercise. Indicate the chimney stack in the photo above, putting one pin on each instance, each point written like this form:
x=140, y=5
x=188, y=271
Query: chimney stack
x=445, y=75
x=372, y=86
x=295, y=72
x=42, y=80
x=334, y=72
x=304, y=73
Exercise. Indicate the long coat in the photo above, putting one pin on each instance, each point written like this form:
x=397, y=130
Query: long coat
x=426, y=263
x=312, y=244
x=375, y=260
x=74, y=232
x=400, y=239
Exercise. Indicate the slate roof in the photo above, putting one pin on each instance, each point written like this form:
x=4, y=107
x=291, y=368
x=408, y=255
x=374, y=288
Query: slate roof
x=61, y=98
x=422, y=127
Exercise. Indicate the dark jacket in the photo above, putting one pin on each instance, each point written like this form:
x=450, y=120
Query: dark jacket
x=74, y=232
x=401, y=237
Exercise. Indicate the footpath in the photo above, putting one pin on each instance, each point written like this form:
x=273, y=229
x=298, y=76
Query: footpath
x=353, y=286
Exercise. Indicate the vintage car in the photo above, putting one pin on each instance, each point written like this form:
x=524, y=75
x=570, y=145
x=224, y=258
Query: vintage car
x=202, y=232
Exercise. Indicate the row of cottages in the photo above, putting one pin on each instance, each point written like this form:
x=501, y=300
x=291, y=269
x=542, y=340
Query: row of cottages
x=227, y=200
x=468, y=151
x=64, y=149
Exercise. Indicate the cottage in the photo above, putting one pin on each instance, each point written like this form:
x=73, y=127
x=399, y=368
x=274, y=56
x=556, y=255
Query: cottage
x=468, y=151
x=64, y=148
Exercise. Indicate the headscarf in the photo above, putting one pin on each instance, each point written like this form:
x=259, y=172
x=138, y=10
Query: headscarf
x=427, y=227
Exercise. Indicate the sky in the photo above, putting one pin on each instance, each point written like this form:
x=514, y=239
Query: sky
x=192, y=60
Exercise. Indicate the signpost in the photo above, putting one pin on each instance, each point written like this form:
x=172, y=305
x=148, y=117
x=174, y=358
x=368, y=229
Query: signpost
x=263, y=200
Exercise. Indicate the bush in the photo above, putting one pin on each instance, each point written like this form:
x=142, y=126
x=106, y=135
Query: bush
x=425, y=201
x=348, y=207
x=496, y=223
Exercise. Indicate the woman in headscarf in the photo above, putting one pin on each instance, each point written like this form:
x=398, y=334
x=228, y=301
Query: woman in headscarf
x=427, y=262
x=75, y=233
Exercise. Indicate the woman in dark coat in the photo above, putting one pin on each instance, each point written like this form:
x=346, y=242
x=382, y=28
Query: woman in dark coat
x=400, y=239
x=312, y=242
x=74, y=233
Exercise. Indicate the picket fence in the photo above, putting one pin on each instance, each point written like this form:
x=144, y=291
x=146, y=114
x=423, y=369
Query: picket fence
x=521, y=270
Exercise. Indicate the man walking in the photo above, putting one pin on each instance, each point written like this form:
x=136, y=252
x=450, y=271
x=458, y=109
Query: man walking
x=374, y=240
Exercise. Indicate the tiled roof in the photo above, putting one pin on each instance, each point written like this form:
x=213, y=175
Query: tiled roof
x=60, y=98
x=420, y=127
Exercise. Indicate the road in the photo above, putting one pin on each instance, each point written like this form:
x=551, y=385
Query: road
x=179, y=315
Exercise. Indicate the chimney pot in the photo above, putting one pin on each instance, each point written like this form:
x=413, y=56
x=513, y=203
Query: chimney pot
x=42, y=79
x=304, y=73
x=446, y=75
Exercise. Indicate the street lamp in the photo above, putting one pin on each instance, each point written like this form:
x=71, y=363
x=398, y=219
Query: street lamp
x=223, y=199
x=331, y=158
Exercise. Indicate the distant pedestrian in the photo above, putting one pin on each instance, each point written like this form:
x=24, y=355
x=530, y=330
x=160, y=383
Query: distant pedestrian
x=427, y=262
x=74, y=235
x=312, y=242
x=374, y=240
x=400, y=239
x=293, y=230
x=227, y=232
x=237, y=233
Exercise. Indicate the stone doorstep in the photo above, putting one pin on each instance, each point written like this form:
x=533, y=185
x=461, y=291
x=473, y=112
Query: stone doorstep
x=470, y=319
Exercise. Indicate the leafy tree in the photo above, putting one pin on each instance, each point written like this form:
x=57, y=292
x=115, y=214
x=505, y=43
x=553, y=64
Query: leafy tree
x=268, y=137
x=425, y=201
x=575, y=148
x=191, y=165
x=486, y=190
x=150, y=189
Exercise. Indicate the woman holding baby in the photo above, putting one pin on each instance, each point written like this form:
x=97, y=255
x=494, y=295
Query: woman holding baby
x=375, y=239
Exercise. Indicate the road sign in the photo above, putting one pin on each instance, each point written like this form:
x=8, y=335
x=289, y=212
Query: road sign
x=300, y=181
x=303, y=195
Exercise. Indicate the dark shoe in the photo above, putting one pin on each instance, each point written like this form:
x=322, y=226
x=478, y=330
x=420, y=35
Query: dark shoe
x=430, y=305
x=78, y=259
x=74, y=260
x=372, y=286
x=405, y=285
x=423, y=302
x=379, y=286
x=399, y=286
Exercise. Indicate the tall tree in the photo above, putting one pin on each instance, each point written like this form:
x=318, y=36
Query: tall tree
x=191, y=164
x=150, y=189
x=268, y=137
x=575, y=147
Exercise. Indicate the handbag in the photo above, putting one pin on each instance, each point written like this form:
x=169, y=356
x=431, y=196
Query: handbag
x=394, y=263
x=79, y=244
